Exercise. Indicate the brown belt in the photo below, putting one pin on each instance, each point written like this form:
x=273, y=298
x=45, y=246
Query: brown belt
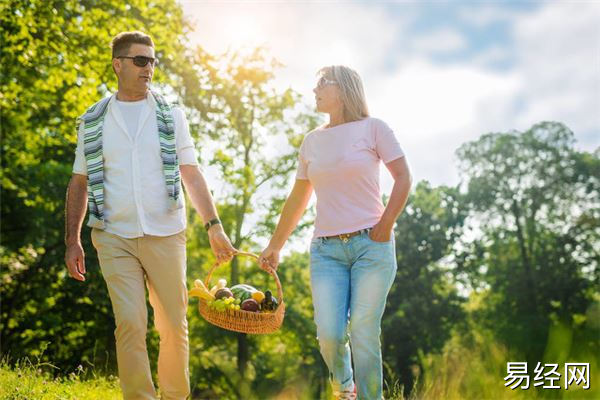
x=345, y=236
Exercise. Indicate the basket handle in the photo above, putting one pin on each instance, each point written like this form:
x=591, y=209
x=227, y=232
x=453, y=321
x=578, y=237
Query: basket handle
x=273, y=273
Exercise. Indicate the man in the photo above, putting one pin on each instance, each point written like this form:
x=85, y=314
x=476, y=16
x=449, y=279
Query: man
x=132, y=148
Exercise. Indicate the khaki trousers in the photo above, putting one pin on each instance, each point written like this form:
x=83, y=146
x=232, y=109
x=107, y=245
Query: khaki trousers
x=160, y=263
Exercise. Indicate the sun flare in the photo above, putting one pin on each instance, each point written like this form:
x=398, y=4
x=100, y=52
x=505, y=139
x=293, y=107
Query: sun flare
x=243, y=31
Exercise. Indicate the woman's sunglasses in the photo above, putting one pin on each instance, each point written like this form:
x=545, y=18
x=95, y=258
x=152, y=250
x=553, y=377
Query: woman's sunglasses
x=322, y=82
x=142, y=61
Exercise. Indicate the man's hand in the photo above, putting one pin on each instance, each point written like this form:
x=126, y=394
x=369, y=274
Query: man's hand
x=76, y=203
x=220, y=244
x=202, y=200
x=75, y=260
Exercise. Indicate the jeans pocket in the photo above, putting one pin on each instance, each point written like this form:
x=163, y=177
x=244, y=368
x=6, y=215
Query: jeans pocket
x=380, y=243
x=315, y=244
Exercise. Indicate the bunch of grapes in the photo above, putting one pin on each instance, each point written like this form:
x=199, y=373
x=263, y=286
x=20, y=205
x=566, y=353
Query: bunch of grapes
x=228, y=303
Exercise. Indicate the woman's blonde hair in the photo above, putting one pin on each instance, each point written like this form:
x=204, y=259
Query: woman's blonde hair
x=351, y=89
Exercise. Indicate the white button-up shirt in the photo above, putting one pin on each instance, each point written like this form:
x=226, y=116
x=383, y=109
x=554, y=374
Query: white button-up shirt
x=135, y=192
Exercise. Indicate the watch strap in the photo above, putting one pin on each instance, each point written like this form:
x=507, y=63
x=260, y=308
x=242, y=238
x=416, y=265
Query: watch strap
x=214, y=221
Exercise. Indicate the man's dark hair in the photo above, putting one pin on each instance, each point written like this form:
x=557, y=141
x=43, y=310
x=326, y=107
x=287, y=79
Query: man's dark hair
x=123, y=41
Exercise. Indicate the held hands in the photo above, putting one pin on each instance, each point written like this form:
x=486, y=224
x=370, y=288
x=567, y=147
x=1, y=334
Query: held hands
x=381, y=233
x=75, y=260
x=220, y=244
x=269, y=259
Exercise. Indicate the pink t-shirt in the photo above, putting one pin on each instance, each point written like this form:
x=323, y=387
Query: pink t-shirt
x=342, y=164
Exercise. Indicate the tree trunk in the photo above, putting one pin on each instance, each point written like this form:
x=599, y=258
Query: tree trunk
x=242, y=350
x=242, y=354
x=525, y=257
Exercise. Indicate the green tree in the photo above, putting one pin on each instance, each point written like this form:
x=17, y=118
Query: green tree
x=535, y=257
x=254, y=134
x=423, y=304
x=56, y=61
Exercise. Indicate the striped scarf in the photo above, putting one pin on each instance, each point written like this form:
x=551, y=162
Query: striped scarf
x=93, y=120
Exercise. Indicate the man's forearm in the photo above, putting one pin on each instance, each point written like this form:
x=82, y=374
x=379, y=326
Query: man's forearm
x=76, y=204
x=197, y=190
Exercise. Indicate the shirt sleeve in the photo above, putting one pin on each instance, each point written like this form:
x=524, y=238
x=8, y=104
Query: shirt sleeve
x=80, y=165
x=386, y=144
x=301, y=172
x=186, y=151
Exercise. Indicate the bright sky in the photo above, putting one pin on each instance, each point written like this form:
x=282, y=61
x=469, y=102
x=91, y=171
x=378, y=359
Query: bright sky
x=439, y=73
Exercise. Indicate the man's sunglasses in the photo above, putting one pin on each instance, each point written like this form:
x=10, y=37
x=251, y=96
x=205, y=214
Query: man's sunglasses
x=142, y=61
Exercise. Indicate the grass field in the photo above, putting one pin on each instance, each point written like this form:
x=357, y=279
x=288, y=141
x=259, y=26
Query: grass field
x=474, y=374
x=28, y=381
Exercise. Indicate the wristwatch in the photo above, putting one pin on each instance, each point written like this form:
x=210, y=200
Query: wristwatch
x=212, y=222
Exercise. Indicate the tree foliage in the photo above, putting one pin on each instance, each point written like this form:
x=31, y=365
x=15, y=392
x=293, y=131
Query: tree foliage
x=251, y=134
x=423, y=304
x=536, y=201
x=56, y=62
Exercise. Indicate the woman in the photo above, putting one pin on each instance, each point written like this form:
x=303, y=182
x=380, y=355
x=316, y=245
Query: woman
x=352, y=253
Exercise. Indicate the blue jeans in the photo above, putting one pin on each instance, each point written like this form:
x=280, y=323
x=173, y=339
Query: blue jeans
x=350, y=282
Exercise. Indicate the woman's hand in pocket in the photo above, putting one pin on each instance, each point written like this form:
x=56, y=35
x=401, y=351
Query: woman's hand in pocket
x=379, y=233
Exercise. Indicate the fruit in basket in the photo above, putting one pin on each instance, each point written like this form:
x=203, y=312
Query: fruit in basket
x=223, y=294
x=221, y=284
x=216, y=305
x=258, y=296
x=250, y=305
x=242, y=292
x=200, y=291
x=199, y=284
x=246, y=287
x=269, y=303
x=221, y=305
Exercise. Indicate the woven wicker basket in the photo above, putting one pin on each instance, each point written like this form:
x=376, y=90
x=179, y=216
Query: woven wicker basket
x=244, y=321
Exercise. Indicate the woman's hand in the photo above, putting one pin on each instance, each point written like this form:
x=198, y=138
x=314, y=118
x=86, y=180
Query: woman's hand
x=381, y=233
x=269, y=259
x=290, y=215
